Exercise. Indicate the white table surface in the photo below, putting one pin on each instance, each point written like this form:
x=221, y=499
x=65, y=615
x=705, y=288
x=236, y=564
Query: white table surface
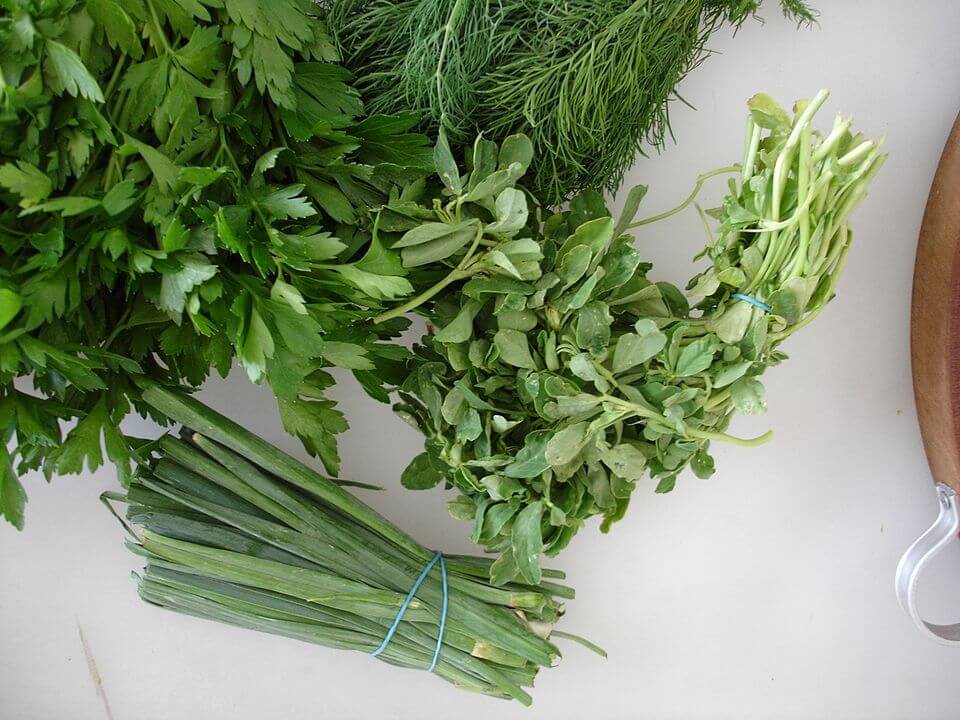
x=764, y=592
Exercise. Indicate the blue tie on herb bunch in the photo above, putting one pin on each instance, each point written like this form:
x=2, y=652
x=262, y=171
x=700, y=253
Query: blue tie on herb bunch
x=752, y=300
x=392, y=630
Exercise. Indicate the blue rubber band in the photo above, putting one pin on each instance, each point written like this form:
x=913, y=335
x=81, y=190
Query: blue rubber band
x=753, y=301
x=406, y=604
x=443, y=613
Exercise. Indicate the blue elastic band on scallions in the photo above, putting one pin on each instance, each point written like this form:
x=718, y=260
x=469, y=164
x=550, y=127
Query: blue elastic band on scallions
x=753, y=301
x=406, y=604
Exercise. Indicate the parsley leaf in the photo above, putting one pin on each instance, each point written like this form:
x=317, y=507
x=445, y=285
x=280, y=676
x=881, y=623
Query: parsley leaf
x=67, y=73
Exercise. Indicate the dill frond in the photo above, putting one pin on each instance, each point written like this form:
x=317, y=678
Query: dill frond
x=589, y=82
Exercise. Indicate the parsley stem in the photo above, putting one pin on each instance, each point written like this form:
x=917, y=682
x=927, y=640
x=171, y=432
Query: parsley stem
x=689, y=199
x=225, y=147
x=277, y=126
x=11, y=231
x=92, y=162
x=119, y=327
x=159, y=28
x=114, y=78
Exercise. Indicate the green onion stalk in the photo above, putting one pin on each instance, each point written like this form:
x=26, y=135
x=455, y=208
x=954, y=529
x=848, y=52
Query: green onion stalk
x=235, y=530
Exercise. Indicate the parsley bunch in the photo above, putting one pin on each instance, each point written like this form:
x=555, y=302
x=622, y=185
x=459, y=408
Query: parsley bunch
x=183, y=183
x=553, y=386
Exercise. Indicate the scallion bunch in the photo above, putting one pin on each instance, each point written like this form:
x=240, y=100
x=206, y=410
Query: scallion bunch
x=235, y=530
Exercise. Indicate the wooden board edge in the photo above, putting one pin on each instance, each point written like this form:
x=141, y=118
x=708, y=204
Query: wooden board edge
x=935, y=319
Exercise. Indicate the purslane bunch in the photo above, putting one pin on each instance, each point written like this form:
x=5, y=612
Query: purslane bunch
x=559, y=375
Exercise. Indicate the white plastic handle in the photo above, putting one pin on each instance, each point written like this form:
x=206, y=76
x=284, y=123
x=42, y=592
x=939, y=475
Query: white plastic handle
x=940, y=534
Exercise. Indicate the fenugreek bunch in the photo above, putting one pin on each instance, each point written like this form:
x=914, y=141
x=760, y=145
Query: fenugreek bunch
x=556, y=381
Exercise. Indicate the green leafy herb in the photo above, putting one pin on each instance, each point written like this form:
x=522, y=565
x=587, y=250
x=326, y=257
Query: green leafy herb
x=589, y=82
x=182, y=184
x=579, y=375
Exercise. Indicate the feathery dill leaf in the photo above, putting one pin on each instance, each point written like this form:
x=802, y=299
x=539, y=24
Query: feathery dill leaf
x=588, y=82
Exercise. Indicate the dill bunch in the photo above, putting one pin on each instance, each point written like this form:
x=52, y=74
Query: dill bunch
x=589, y=82
x=426, y=56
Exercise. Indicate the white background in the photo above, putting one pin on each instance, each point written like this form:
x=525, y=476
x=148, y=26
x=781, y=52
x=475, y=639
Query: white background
x=764, y=592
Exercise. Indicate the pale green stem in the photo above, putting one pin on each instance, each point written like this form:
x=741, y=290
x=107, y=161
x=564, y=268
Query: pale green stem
x=806, y=195
x=642, y=411
x=780, y=171
x=810, y=316
x=723, y=437
x=753, y=145
x=787, y=223
x=415, y=302
x=448, y=30
x=160, y=34
x=634, y=408
x=856, y=154
x=840, y=126
x=690, y=198
x=461, y=272
x=717, y=400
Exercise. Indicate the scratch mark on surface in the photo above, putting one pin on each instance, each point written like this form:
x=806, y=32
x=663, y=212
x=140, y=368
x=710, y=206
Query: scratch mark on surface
x=94, y=673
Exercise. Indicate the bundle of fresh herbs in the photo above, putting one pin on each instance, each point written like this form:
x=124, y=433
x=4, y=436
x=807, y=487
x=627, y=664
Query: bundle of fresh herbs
x=181, y=184
x=589, y=82
x=186, y=183
x=235, y=530
x=560, y=375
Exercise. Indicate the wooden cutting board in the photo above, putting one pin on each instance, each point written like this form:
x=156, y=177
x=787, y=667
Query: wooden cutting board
x=935, y=319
